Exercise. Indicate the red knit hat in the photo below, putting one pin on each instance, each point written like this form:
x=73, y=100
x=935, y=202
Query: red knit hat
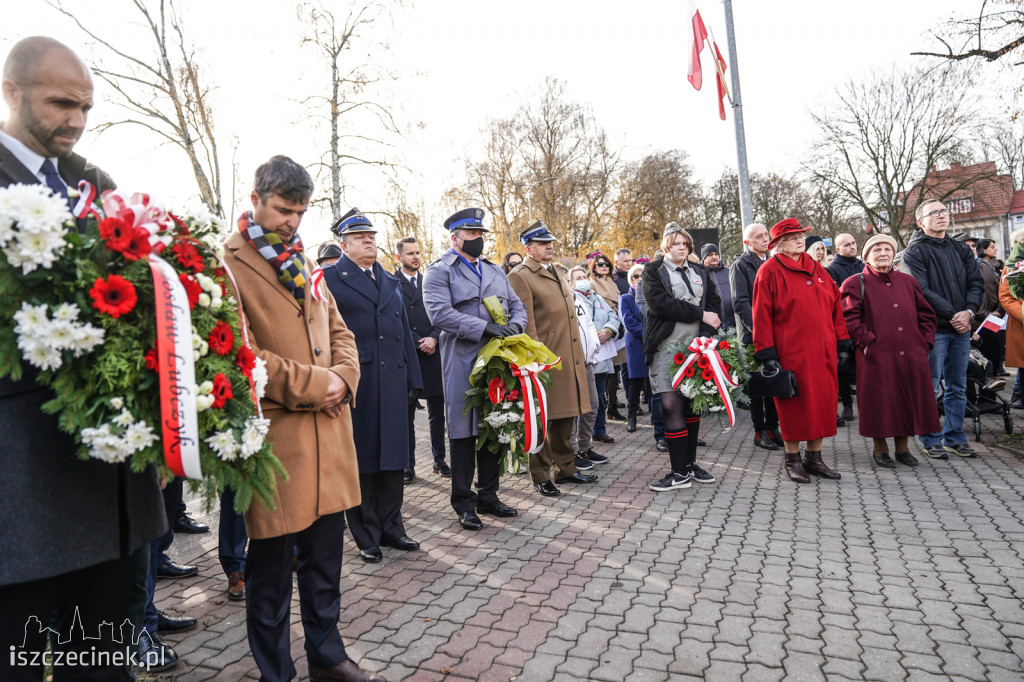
x=783, y=228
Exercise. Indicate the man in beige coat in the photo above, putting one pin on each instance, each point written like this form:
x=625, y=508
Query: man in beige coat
x=312, y=368
x=551, y=315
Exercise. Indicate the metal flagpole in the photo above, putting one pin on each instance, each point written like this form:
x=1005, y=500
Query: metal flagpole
x=746, y=205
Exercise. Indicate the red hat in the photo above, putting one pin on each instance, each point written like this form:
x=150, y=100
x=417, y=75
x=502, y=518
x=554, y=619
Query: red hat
x=783, y=228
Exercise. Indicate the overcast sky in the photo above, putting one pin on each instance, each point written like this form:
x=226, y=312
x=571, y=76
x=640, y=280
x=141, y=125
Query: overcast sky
x=463, y=62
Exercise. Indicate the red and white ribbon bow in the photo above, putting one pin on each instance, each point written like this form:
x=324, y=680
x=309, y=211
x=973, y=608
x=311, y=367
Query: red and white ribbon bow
x=1017, y=269
x=86, y=195
x=314, y=282
x=139, y=210
x=704, y=346
x=535, y=402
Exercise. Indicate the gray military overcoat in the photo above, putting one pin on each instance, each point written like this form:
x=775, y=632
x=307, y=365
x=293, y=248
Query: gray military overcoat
x=453, y=295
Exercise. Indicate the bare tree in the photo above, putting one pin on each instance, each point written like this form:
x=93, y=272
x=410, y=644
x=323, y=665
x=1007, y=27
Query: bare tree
x=1004, y=141
x=881, y=136
x=163, y=92
x=358, y=122
x=995, y=32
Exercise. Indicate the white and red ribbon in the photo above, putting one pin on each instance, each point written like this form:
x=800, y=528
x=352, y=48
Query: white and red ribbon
x=86, y=195
x=245, y=330
x=176, y=368
x=1017, y=269
x=138, y=210
x=705, y=346
x=314, y=282
x=535, y=402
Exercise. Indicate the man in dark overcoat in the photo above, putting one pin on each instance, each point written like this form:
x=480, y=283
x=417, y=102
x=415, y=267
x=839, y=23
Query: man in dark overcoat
x=424, y=335
x=454, y=289
x=843, y=266
x=370, y=301
x=76, y=534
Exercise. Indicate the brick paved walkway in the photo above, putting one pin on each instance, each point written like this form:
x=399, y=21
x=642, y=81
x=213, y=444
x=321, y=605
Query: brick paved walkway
x=905, y=574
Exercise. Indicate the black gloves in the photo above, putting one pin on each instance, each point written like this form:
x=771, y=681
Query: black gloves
x=414, y=395
x=772, y=367
x=844, y=352
x=500, y=330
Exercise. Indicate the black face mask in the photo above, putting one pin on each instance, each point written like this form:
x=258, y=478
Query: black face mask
x=473, y=247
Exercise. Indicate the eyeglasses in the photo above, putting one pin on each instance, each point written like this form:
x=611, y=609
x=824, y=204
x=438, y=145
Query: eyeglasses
x=637, y=276
x=936, y=214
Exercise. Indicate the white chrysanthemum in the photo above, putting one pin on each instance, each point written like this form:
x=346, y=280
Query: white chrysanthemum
x=204, y=349
x=203, y=402
x=6, y=228
x=36, y=249
x=252, y=435
x=110, y=449
x=66, y=311
x=504, y=438
x=494, y=420
x=204, y=300
x=117, y=402
x=206, y=283
x=40, y=355
x=260, y=377
x=124, y=419
x=60, y=335
x=196, y=340
x=87, y=337
x=225, y=445
x=520, y=405
x=89, y=434
x=139, y=436
x=216, y=302
x=205, y=388
x=31, y=320
x=35, y=208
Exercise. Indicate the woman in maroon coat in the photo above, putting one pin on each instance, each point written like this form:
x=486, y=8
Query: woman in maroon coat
x=893, y=327
x=799, y=326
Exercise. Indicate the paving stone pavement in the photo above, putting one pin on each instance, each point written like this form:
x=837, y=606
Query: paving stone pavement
x=905, y=574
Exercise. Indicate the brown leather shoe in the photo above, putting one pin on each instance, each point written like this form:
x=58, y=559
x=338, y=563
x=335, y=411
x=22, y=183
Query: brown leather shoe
x=346, y=671
x=795, y=469
x=236, y=586
x=814, y=465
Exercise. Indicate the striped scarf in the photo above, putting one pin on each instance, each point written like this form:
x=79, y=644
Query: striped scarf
x=289, y=261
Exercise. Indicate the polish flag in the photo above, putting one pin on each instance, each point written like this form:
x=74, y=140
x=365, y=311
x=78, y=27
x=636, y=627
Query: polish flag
x=700, y=34
x=993, y=323
x=723, y=89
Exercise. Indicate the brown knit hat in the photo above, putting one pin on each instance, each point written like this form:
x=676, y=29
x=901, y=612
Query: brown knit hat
x=874, y=241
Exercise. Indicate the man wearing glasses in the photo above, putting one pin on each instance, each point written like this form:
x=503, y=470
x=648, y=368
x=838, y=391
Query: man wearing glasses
x=953, y=286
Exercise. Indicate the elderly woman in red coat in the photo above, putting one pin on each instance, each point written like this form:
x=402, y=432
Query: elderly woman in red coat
x=799, y=326
x=893, y=328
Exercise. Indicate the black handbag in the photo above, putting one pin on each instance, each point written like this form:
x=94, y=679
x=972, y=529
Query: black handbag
x=781, y=384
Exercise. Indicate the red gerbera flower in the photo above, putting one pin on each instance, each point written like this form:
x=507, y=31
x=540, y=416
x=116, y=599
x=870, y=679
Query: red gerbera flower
x=679, y=358
x=222, y=338
x=139, y=246
x=113, y=296
x=116, y=232
x=245, y=360
x=188, y=257
x=703, y=362
x=221, y=391
x=690, y=371
x=724, y=345
x=707, y=375
x=152, y=360
x=192, y=288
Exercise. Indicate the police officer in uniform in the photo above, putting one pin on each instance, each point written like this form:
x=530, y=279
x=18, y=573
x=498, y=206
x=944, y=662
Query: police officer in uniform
x=370, y=301
x=551, y=310
x=454, y=288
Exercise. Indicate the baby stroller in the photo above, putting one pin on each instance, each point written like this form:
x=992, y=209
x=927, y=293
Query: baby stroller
x=982, y=395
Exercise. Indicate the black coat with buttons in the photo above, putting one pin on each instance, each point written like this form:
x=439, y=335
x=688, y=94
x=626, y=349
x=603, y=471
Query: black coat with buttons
x=387, y=362
x=419, y=323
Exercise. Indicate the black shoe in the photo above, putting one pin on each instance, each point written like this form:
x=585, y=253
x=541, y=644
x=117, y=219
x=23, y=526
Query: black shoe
x=498, y=508
x=701, y=443
x=602, y=438
x=547, y=489
x=615, y=415
x=662, y=445
x=777, y=436
x=671, y=481
x=593, y=457
x=840, y=421
x=618, y=403
x=169, y=569
x=883, y=459
x=441, y=468
x=154, y=655
x=763, y=439
x=699, y=475
x=371, y=555
x=936, y=452
x=906, y=459
x=420, y=406
x=409, y=477
x=185, y=524
x=577, y=478
x=639, y=412
x=404, y=543
x=165, y=623
x=470, y=521
x=581, y=462
x=631, y=422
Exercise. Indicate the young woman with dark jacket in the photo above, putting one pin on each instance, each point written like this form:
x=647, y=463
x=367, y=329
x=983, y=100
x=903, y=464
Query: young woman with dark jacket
x=681, y=303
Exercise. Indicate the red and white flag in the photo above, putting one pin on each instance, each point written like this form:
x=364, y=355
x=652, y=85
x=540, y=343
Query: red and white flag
x=723, y=89
x=993, y=323
x=700, y=34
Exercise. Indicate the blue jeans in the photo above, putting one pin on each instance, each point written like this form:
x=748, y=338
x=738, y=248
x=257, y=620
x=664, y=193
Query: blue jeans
x=600, y=382
x=657, y=417
x=948, y=362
